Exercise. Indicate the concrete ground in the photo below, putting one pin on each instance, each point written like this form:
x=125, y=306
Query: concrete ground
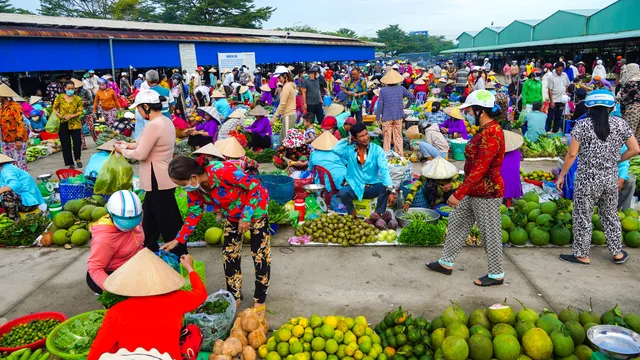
x=366, y=280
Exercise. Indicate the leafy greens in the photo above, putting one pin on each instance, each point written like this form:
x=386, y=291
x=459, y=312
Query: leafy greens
x=77, y=336
x=421, y=233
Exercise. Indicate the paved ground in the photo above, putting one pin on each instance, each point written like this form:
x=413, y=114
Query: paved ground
x=350, y=281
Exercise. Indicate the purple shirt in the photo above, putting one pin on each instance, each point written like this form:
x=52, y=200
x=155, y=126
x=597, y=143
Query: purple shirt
x=510, y=171
x=389, y=105
x=455, y=126
x=211, y=127
x=266, y=97
x=273, y=83
x=261, y=127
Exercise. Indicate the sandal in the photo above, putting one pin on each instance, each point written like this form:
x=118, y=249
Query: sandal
x=437, y=267
x=487, y=281
x=260, y=310
x=572, y=259
x=624, y=258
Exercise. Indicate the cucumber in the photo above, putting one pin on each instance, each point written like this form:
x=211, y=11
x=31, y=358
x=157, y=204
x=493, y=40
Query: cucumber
x=19, y=352
x=36, y=354
x=26, y=355
x=45, y=356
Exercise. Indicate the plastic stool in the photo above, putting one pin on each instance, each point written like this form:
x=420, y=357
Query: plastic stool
x=365, y=207
x=24, y=215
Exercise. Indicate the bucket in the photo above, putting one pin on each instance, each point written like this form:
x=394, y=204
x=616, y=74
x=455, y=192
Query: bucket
x=457, y=150
x=54, y=209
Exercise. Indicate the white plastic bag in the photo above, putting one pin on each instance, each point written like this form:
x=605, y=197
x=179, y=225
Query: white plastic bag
x=215, y=326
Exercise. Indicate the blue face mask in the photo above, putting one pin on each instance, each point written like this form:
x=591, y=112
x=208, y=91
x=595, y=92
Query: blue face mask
x=189, y=187
x=70, y=92
x=139, y=117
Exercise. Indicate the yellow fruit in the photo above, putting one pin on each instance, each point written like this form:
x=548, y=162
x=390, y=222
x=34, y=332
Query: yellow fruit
x=273, y=356
x=284, y=334
x=319, y=355
x=359, y=330
x=315, y=321
x=375, y=338
x=298, y=331
x=365, y=338
x=271, y=344
x=349, y=322
x=304, y=322
x=369, y=331
x=300, y=356
x=338, y=336
x=307, y=337
x=293, y=340
x=296, y=348
x=318, y=344
x=342, y=326
x=293, y=321
x=350, y=337
x=331, y=321
x=306, y=347
x=358, y=355
x=373, y=353
x=262, y=351
x=377, y=348
x=361, y=320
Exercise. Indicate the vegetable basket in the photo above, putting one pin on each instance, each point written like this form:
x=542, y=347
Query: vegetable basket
x=52, y=349
x=26, y=319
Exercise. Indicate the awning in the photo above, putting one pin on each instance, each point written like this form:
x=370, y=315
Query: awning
x=538, y=43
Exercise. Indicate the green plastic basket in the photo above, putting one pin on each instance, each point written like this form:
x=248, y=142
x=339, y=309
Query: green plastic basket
x=457, y=150
x=52, y=349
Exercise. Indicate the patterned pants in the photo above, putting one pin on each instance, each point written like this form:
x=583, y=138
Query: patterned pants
x=392, y=131
x=485, y=213
x=260, y=251
x=12, y=204
x=88, y=119
x=20, y=156
x=604, y=194
x=110, y=116
x=632, y=115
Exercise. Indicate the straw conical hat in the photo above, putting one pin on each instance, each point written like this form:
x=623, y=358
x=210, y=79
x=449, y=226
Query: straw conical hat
x=230, y=147
x=512, y=141
x=413, y=133
x=392, y=77
x=334, y=110
x=217, y=94
x=237, y=114
x=5, y=91
x=5, y=159
x=108, y=146
x=209, y=149
x=258, y=111
x=419, y=81
x=145, y=274
x=213, y=112
x=34, y=99
x=376, y=92
x=433, y=99
x=243, y=89
x=265, y=87
x=77, y=83
x=251, y=84
x=490, y=86
x=439, y=169
x=326, y=141
x=454, y=112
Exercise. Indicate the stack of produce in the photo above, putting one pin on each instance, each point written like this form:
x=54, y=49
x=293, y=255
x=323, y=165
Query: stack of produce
x=100, y=128
x=112, y=135
x=195, y=117
x=37, y=152
x=205, y=230
x=338, y=229
x=71, y=225
x=634, y=169
x=382, y=222
x=538, y=175
x=28, y=333
x=26, y=354
x=53, y=145
x=24, y=232
x=471, y=129
x=263, y=157
x=276, y=127
x=545, y=146
x=247, y=336
x=404, y=337
x=328, y=338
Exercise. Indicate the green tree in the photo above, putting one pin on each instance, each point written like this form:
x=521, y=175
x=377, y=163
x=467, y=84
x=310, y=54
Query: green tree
x=230, y=13
x=394, y=38
x=6, y=7
x=344, y=32
x=299, y=28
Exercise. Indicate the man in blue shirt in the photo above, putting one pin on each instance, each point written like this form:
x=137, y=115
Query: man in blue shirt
x=626, y=183
x=138, y=82
x=366, y=166
x=153, y=79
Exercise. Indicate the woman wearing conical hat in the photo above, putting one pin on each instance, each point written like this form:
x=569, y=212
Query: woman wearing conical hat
x=439, y=179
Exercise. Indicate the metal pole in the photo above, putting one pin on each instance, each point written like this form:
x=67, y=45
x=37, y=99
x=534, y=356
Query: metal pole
x=113, y=68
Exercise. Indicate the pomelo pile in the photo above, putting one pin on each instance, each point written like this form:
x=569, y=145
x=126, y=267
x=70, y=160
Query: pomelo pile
x=404, y=337
x=551, y=222
x=327, y=338
x=71, y=226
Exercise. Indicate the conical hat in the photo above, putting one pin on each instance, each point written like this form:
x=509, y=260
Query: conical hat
x=5, y=91
x=5, y=159
x=439, y=169
x=237, y=114
x=213, y=112
x=512, y=141
x=34, y=99
x=217, y=94
x=419, y=81
x=243, y=89
x=230, y=147
x=77, y=83
x=108, y=146
x=258, y=111
x=490, y=86
x=413, y=133
x=265, y=87
x=334, y=110
x=454, y=112
x=326, y=141
x=392, y=77
x=251, y=84
x=209, y=149
x=145, y=274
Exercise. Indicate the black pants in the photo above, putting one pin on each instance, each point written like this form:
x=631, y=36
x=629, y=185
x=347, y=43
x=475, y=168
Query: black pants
x=554, y=117
x=92, y=284
x=66, y=136
x=161, y=216
x=259, y=142
x=357, y=115
x=199, y=140
x=317, y=111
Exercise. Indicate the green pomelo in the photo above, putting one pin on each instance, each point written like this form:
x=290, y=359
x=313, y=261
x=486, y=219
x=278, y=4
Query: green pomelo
x=533, y=215
x=562, y=343
x=437, y=337
x=454, y=313
x=73, y=206
x=583, y=352
x=457, y=329
x=64, y=219
x=530, y=206
x=598, y=238
x=501, y=313
x=548, y=323
x=503, y=209
x=99, y=199
x=559, y=235
x=455, y=348
x=523, y=326
x=480, y=347
x=60, y=237
x=479, y=317
x=520, y=204
x=506, y=347
x=539, y=236
x=544, y=220
x=500, y=329
x=526, y=314
x=530, y=227
x=505, y=221
x=518, y=236
x=80, y=237
x=588, y=317
x=568, y=314
x=85, y=212
x=629, y=224
x=98, y=213
x=537, y=344
x=213, y=236
x=633, y=320
x=610, y=315
x=631, y=213
x=632, y=239
x=523, y=356
x=505, y=236
x=549, y=207
x=531, y=196
x=481, y=330
x=577, y=331
x=589, y=325
x=437, y=323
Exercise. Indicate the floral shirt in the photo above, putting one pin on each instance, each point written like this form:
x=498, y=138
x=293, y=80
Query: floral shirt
x=356, y=87
x=11, y=125
x=65, y=107
x=239, y=196
x=293, y=154
x=629, y=93
x=484, y=154
x=87, y=98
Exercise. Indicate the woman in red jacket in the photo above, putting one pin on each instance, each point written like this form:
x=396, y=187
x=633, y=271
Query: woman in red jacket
x=151, y=318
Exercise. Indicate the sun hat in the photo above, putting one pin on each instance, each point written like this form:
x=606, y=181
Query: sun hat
x=329, y=123
x=77, y=83
x=326, y=141
x=212, y=70
x=512, y=141
x=580, y=63
x=209, y=149
x=6, y=91
x=406, y=75
x=491, y=73
x=376, y=92
x=451, y=81
x=433, y=99
x=430, y=71
x=129, y=115
x=395, y=67
x=108, y=146
x=350, y=120
x=454, y=112
x=145, y=97
x=34, y=99
x=145, y=274
x=294, y=139
x=290, y=68
x=444, y=80
x=482, y=98
x=265, y=87
x=334, y=110
x=237, y=114
x=600, y=98
x=230, y=147
x=339, y=81
x=251, y=84
x=281, y=70
x=376, y=82
x=391, y=78
x=217, y=94
x=243, y=89
x=413, y=133
x=258, y=111
x=211, y=110
x=490, y=86
x=4, y=159
x=439, y=169
x=419, y=81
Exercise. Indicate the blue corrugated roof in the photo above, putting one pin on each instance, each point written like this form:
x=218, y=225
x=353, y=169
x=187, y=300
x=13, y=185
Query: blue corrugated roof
x=583, y=12
x=530, y=22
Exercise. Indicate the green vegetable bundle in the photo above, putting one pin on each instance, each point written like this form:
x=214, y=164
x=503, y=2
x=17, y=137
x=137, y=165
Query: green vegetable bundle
x=277, y=213
x=207, y=221
x=77, y=336
x=24, y=232
x=421, y=233
x=263, y=157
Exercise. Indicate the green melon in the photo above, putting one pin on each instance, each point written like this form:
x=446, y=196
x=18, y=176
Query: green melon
x=559, y=235
x=506, y=347
x=480, y=347
x=60, y=237
x=533, y=215
x=539, y=236
x=548, y=207
x=530, y=206
x=598, y=238
x=632, y=239
x=518, y=236
x=531, y=196
x=98, y=213
x=80, y=237
x=63, y=219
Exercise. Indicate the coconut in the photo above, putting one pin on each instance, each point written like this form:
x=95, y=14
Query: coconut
x=248, y=353
x=257, y=338
x=250, y=320
x=501, y=313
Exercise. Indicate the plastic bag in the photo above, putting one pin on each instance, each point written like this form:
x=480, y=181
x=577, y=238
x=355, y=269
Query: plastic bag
x=326, y=99
x=354, y=106
x=182, y=201
x=116, y=174
x=95, y=164
x=53, y=124
x=170, y=258
x=214, y=326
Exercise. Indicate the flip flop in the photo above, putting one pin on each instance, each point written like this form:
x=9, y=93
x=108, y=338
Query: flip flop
x=572, y=259
x=487, y=281
x=437, y=267
x=624, y=258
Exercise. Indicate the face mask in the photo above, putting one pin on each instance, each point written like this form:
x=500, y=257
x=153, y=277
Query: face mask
x=189, y=187
x=35, y=118
x=103, y=87
x=139, y=116
x=70, y=92
x=306, y=76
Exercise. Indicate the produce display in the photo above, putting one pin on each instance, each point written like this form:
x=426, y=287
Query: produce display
x=471, y=129
x=215, y=307
x=76, y=336
x=538, y=175
x=183, y=148
x=26, y=354
x=416, y=215
x=277, y=213
x=419, y=232
x=545, y=146
x=28, y=333
x=24, y=232
x=263, y=157
x=108, y=135
x=247, y=335
x=207, y=222
x=404, y=337
x=338, y=229
x=382, y=222
x=36, y=152
x=71, y=226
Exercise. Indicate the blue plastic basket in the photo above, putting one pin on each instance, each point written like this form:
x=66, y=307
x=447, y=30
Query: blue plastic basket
x=418, y=200
x=275, y=141
x=441, y=212
x=74, y=191
x=280, y=187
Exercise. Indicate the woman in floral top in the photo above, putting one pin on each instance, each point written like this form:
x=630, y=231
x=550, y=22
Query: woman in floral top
x=629, y=96
x=68, y=108
x=478, y=199
x=293, y=153
x=243, y=201
x=13, y=130
x=356, y=88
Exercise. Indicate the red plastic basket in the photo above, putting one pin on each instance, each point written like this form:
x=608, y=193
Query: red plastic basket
x=536, y=182
x=25, y=319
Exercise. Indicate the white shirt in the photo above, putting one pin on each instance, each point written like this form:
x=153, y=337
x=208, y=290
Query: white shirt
x=228, y=79
x=144, y=86
x=558, y=85
x=437, y=72
x=545, y=85
x=205, y=91
x=93, y=84
x=487, y=66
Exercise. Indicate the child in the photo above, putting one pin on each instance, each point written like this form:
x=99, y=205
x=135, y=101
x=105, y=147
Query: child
x=37, y=121
x=330, y=124
x=346, y=127
x=308, y=120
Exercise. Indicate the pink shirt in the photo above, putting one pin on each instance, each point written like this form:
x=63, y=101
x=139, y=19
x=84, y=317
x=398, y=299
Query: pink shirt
x=26, y=109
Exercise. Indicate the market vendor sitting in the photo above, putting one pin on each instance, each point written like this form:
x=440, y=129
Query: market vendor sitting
x=232, y=151
x=18, y=190
x=115, y=238
x=37, y=122
x=205, y=132
x=267, y=97
x=260, y=129
x=330, y=124
x=294, y=153
x=598, y=83
x=151, y=317
x=439, y=179
x=244, y=95
x=324, y=157
x=366, y=165
x=454, y=126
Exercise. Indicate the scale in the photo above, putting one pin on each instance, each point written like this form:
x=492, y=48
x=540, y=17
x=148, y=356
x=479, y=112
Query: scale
x=614, y=342
x=314, y=202
x=46, y=188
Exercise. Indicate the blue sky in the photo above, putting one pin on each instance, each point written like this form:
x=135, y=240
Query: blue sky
x=366, y=16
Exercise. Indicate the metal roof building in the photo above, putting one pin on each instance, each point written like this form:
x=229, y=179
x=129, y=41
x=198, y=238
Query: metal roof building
x=42, y=43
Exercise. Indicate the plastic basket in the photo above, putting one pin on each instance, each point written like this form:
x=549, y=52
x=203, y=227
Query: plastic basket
x=418, y=200
x=25, y=319
x=280, y=187
x=275, y=141
x=74, y=191
x=52, y=349
x=457, y=150
x=442, y=212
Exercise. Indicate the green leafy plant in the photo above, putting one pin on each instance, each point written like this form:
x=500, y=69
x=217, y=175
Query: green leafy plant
x=77, y=336
x=277, y=213
x=207, y=221
x=108, y=299
x=24, y=232
x=263, y=157
x=421, y=233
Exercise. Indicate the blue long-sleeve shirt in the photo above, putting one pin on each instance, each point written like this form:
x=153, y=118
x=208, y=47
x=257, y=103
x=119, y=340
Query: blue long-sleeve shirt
x=223, y=107
x=21, y=183
x=374, y=170
x=623, y=167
